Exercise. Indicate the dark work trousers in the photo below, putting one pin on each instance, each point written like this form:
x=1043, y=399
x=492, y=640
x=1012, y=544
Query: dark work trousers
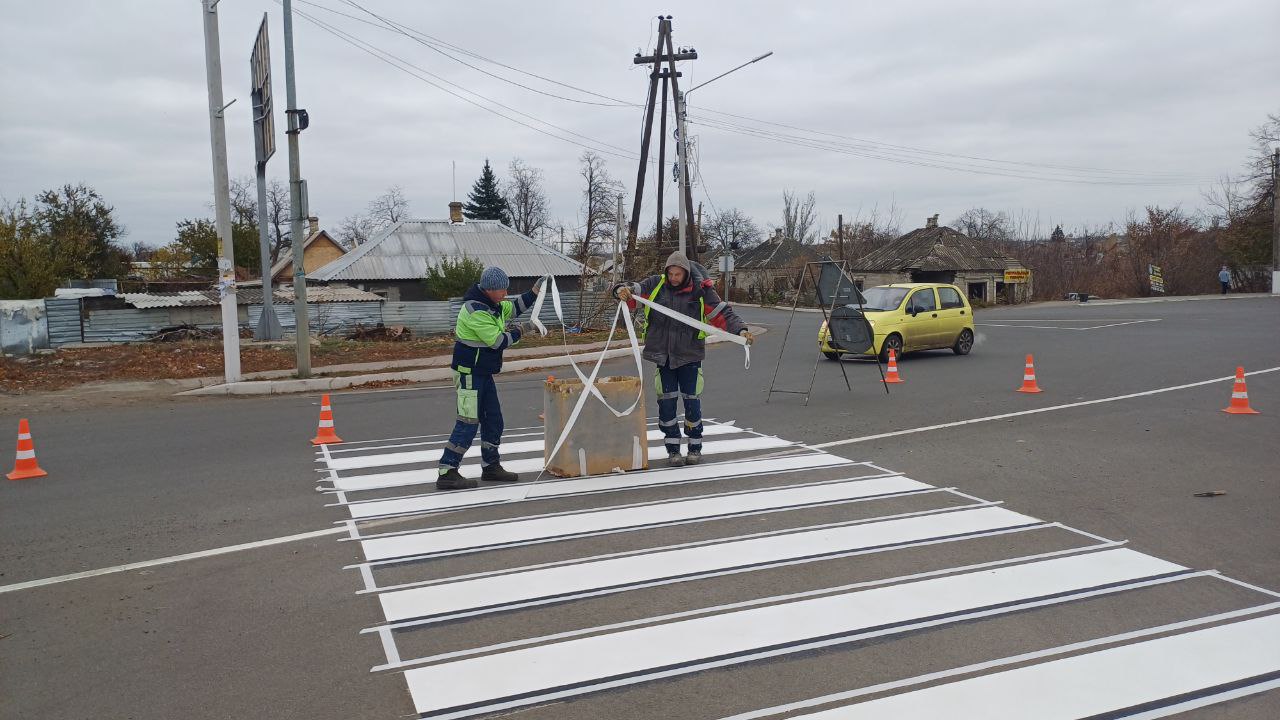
x=1225, y=287
x=478, y=408
x=672, y=384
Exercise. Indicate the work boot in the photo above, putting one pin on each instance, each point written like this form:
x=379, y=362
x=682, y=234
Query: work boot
x=495, y=473
x=675, y=460
x=694, y=457
x=453, y=480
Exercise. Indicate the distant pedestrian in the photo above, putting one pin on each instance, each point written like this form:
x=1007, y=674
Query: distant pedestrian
x=1224, y=277
x=486, y=326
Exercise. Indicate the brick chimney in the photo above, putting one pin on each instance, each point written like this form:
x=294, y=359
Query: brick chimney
x=931, y=222
x=455, y=213
x=313, y=225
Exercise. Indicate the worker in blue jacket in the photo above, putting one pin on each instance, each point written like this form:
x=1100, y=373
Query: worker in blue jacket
x=486, y=327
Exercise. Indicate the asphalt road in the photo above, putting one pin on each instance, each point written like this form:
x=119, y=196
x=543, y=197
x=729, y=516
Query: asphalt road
x=273, y=631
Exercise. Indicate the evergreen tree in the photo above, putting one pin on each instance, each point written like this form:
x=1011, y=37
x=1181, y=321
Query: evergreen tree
x=485, y=201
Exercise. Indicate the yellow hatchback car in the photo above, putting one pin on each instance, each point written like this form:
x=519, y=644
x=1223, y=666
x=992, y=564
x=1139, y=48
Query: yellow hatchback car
x=912, y=316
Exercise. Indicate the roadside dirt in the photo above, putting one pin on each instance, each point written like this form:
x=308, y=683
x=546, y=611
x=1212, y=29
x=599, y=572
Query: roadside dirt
x=68, y=368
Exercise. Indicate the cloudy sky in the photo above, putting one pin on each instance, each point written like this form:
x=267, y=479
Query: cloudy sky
x=1073, y=112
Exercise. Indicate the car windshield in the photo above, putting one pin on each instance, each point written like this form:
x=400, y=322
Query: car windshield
x=884, y=298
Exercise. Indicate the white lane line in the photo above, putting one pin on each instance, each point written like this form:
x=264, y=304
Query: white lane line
x=534, y=431
x=516, y=448
x=1002, y=662
x=530, y=675
x=1035, y=411
x=171, y=559
x=1058, y=327
x=1103, y=681
x=427, y=476
x=430, y=542
x=688, y=563
x=456, y=499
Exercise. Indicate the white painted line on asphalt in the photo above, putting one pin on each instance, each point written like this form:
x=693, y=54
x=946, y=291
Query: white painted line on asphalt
x=456, y=499
x=1002, y=662
x=495, y=592
x=1103, y=681
x=448, y=540
x=1036, y=411
x=1057, y=327
x=171, y=559
x=534, y=431
x=1199, y=702
x=427, y=476
x=531, y=675
x=347, y=444
x=516, y=448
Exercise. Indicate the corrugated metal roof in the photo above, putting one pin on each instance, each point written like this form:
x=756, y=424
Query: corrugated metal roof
x=246, y=296
x=934, y=248
x=406, y=249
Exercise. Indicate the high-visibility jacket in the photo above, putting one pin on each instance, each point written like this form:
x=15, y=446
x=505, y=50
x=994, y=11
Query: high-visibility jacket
x=673, y=344
x=481, y=333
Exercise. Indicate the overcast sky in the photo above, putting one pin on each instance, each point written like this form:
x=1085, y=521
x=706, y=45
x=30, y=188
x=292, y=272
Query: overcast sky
x=113, y=94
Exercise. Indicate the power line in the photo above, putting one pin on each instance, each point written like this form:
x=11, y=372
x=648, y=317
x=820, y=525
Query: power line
x=409, y=68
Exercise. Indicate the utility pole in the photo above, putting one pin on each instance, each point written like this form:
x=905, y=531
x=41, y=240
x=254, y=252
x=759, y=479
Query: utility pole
x=298, y=122
x=617, y=240
x=1275, y=222
x=221, y=194
x=840, y=234
x=682, y=144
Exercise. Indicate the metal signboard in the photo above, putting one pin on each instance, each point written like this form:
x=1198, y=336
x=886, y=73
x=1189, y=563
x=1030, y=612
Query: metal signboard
x=1017, y=276
x=264, y=126
x=727, y=263
x=1156, y=276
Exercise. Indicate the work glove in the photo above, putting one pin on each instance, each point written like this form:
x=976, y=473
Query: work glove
x=750, y=338
x=524, y=328
x=624, y=293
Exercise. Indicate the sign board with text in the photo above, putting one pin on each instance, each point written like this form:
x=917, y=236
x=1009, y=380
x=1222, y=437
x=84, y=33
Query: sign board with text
x=1017, y=276
x=1156, y=276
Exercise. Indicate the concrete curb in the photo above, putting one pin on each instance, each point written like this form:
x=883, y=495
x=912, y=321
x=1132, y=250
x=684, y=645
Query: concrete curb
x=278, y=387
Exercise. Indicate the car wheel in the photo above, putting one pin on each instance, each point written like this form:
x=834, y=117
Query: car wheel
x=831, y=355
x=893, y=342
x=964, y=343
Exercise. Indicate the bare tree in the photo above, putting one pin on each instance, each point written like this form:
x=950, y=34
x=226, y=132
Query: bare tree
x=388, y=208
x=984, y=224
x=599, y=199
x=799, y=219
x=526, y=198
x=730, y=226
x=279, y=228
x=869, y=230
x=354, y=230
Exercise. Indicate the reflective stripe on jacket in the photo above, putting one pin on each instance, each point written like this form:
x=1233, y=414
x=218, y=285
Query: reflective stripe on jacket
x=670, y=343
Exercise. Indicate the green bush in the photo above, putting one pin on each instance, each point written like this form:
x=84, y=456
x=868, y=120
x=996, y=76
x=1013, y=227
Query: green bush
x=452, y=278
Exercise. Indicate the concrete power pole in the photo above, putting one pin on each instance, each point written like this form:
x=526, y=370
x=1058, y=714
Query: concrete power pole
x=221, y=194
x=617, y=240
x=1275, y=222
x=297, y=197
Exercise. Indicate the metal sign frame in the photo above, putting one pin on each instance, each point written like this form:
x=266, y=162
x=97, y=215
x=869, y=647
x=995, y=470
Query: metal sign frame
x=264, y=126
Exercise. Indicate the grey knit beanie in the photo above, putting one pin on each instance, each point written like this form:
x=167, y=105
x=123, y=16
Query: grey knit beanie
x=493, y=278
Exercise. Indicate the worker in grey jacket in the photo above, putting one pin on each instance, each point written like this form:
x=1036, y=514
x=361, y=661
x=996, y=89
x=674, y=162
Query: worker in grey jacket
x=677, y=349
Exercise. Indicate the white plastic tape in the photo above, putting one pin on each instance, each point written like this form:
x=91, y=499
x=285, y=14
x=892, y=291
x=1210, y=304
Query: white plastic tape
x=699, y=325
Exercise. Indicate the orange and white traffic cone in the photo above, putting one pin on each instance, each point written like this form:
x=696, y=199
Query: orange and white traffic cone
x=1240, y=397
x=1029, y=377
x=25, y=466
x=891, y=375
x=325, y=434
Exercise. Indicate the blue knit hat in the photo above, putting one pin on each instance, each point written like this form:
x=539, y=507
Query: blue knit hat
x=494, y=279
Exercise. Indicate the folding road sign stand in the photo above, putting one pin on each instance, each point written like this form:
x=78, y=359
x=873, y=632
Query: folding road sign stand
x=842, y=267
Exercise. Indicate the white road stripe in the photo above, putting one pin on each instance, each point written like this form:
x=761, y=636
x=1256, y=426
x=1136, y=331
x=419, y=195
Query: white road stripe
x=428, y=542
x=1003, y=662
x=455, y=499
x=480, y=684
x=1055, y=327
x=1035, y=411
x=518, y=587
x=427, y=476
x=516, y=448
x=1098, y=682
x=171, y=559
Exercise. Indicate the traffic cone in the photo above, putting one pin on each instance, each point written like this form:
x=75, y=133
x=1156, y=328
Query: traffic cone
x=1029, y=378
x=1239, y=397
x=25, y=466
x=892, y=375
x=324, y=433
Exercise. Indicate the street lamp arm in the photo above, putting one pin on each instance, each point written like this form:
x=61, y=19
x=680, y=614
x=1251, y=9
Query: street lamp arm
x=749, y=62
